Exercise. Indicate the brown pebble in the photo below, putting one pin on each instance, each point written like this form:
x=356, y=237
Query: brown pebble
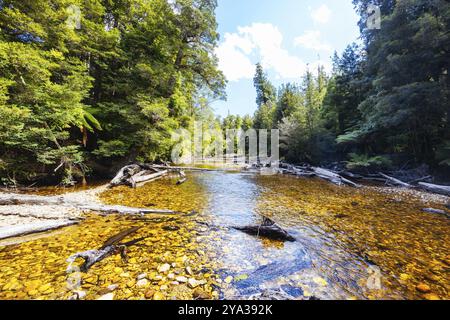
x=200, y=294
x=150, y=293
x=424, y=288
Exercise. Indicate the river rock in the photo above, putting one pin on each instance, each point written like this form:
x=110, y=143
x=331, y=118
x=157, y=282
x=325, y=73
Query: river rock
x=181, y=279
x=228, y=279
x=150, y=293
x=142, y=283
x=158, y=296
x=164, y=268
x=189, y=271
x=200, y=294
x=80, y=294
x=142, y=276
x=431, y=296
x=113, y=287
x=193, y=283
x=424, y=288
x=108, y=296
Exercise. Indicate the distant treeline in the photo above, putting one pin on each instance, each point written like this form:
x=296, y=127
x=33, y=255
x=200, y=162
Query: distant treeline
x=386, y=104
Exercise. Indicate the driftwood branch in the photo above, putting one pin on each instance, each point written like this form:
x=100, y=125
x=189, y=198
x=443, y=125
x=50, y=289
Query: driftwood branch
x=309, y=172
x=395, y=182
x=444, y=190
x=111, y=247
x=183, y=178
x=267, y=229
x=16, y=199
x=36, y=227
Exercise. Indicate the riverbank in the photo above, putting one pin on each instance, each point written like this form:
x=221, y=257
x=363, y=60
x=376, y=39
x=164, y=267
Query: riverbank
x=21, y=214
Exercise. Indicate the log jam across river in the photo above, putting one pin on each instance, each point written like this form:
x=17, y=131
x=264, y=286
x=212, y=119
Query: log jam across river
x=367, y=243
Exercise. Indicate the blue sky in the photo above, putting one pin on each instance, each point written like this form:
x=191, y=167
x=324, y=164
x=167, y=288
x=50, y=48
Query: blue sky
x=287, y=36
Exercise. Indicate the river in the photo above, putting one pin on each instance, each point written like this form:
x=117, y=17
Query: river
x=350, y=243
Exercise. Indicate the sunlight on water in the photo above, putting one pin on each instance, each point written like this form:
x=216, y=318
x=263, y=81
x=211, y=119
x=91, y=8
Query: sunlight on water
x=350, y=244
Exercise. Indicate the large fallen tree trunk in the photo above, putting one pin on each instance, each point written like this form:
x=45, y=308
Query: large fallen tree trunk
x=16, y=199
x=36, y=227
x=333, y=177
x=144, y=178
x=137, y=175
x=444, y=190
x=307, y=171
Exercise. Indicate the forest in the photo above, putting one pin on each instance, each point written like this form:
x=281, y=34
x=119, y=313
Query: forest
x=79, y=99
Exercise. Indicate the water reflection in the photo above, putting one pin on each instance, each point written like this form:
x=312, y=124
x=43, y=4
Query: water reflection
x=350, y=244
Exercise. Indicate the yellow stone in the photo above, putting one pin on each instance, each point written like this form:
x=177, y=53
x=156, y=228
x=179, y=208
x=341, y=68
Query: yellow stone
x=158, y=296
x=45, y=287
x=404, y=277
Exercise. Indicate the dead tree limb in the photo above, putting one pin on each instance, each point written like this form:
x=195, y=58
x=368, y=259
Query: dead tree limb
x=111, y=247
x=444, y=190
x=183, y=178
x=16, y=199
x=36, y=227
x=267, y=229
x=395, y=182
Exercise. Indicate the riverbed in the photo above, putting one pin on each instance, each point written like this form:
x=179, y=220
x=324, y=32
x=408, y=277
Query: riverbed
x=368, y=243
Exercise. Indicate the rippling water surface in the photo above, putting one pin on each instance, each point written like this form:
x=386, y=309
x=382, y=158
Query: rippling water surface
x=350, y=244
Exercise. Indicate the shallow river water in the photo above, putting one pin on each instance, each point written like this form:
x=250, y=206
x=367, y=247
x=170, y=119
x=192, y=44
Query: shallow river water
x=350, y=244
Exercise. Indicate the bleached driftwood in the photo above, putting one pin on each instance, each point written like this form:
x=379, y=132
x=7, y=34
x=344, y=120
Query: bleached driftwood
x=141, y=180
x=16, y=199
x=444, y=190
x=395, y=181
x=308, y=171
x=333, y=177
x=36, y=227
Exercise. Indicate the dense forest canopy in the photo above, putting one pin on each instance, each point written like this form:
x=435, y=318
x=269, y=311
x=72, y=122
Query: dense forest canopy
x=74, y=97
x=80, y=96
x=386, y=104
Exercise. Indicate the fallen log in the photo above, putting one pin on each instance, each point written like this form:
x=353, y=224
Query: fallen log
x=124, y=174
x=183, y=178
x=437, y=211
x=36, y=227
x=268, y=229
x=333, y=177
x=307, y=171
x=395, y=181
x=144, y=178
x=16, y=199
x=109, y=248
x=444, y=190
x=125, y=210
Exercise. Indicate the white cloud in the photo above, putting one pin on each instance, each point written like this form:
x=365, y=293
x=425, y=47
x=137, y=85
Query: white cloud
x=311, y=40
x=263, y=39
x=233, y=57
x=322, y=14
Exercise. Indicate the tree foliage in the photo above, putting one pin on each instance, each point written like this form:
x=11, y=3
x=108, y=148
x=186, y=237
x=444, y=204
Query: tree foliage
x=109, y=87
